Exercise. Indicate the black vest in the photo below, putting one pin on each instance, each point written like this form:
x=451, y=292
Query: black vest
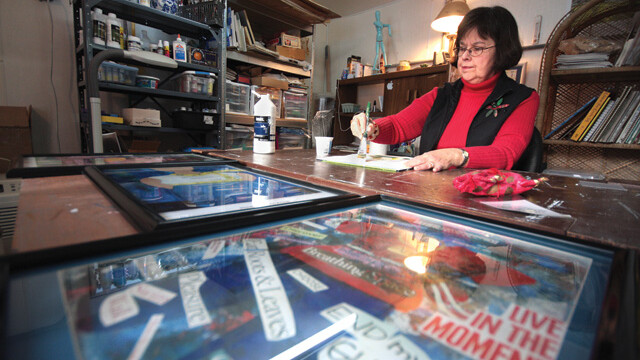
x=483, y=129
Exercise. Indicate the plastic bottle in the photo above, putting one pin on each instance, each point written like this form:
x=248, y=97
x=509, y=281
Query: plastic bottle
x=113, y=31
x=134, y=43
x=146, y=42
x=99, y=26
x=179, y=50
x=123, y=37
x=264, y=126
x=166, y=49
x=160, y=48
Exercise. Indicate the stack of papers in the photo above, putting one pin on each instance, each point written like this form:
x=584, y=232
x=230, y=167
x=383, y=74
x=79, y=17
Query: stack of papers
x=378, y=162
x=581, y=61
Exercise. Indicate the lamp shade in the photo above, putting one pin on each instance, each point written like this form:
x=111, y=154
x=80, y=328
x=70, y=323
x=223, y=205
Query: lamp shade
x=450, y=16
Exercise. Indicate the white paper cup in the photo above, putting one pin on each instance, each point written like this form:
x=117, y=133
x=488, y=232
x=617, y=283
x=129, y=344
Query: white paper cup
x=377, y=149
x=323, y=146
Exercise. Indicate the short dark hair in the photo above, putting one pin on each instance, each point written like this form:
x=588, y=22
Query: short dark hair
x=498, y=24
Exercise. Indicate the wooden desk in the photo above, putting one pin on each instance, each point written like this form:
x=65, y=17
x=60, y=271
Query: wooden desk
x=601, y=213
x=70, y=210
x=62, y=211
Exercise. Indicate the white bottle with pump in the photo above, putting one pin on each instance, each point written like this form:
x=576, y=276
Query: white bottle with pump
x=264, y=126
x=179, y=50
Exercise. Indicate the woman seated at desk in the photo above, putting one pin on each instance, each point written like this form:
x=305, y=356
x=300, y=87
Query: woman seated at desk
x=483, y=120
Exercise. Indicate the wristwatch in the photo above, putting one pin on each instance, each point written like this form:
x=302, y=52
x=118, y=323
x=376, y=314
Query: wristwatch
x=465, y=156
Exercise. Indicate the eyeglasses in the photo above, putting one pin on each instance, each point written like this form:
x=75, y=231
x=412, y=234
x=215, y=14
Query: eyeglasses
x=473, y=51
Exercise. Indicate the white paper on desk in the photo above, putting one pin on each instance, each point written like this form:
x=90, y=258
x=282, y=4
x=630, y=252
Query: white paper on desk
x=523, y=206
x=378, y=162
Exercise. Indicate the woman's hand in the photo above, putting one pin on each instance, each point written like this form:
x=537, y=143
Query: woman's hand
x=358, y=124
x=437, y=160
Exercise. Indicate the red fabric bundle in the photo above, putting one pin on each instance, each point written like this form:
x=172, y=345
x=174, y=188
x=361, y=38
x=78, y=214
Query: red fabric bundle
x=494, y=182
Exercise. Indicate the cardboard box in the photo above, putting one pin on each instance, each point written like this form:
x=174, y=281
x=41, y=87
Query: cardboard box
x=144, y=146
x=141, y=117
x=298, y=54
x=15, y=135
x=112, y=119
x=262, y=80
x=290, y=41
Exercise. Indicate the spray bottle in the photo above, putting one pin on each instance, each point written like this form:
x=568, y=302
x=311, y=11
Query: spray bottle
x=264, y=127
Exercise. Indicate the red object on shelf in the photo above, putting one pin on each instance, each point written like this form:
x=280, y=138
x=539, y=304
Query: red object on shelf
x=494, y=182
x=244, y=79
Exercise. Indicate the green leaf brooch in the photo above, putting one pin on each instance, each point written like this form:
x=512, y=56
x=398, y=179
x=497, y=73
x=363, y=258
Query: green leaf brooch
x=494, y=107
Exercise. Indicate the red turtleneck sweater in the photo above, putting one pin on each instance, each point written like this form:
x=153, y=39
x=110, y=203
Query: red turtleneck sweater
x=506, y=148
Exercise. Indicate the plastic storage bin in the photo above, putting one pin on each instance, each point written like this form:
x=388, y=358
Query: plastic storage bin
x=274, y=94
x=148, y=82
x=238, y=98
x=197, y=82
x=239, y=137
x=289, y=138
x=294, y=105
x=117, y=73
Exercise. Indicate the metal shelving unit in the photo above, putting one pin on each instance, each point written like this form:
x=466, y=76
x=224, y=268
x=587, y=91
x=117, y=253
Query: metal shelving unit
x=167, y=23
x=268, y=17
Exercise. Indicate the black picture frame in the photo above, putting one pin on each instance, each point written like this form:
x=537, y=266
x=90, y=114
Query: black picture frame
x=44, y=165
x=616, y=306
x=148, y=217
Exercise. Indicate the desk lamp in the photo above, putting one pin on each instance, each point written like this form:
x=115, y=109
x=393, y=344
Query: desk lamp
x=145, y=57
x=449, y=18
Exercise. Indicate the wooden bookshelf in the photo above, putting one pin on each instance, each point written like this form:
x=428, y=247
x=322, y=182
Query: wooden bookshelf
x=592, y=144
x=563, y=92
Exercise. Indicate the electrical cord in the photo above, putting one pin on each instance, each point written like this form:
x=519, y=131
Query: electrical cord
x=55, y=95
x=72, y=79
x=340, y=109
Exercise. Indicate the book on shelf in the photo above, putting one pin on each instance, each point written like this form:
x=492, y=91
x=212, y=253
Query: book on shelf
x=566, y=134
x=580, y=61
x=635, y=133
x=244, y=21
x=605, y=122
x=595, y=118
x=618, y=121
x=242, y=43
x=589, y=118
x=598, y=123
x=576, y=116
x=630, y=124
x=609, y=123
x=624, y=117
x=230, y=43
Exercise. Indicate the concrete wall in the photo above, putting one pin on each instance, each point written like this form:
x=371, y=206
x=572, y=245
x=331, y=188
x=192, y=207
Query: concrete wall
x=32, y=66
x=413, y=39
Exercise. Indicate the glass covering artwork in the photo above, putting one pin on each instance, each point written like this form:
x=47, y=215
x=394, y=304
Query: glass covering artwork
x=183, y=192
x=379, y=281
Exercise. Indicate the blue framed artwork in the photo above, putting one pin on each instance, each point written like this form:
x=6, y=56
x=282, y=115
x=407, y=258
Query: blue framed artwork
x=163, y=196
x=380, y=278
x=37, y=165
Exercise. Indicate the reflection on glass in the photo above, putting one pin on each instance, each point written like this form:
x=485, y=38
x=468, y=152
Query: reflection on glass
x=186, y=191
x=261, y=294
x=87, y=160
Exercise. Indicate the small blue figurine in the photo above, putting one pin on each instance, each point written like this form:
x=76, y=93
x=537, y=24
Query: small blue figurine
x=379, y=44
